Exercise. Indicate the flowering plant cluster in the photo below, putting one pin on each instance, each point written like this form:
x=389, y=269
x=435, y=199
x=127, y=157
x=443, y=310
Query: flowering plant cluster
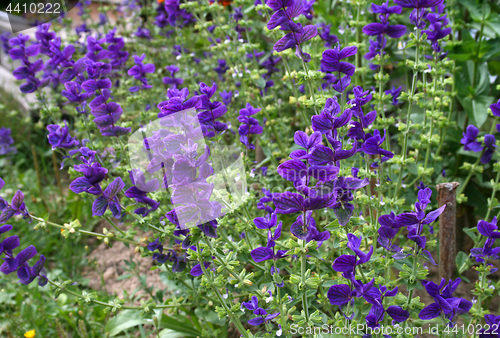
x=282, y=164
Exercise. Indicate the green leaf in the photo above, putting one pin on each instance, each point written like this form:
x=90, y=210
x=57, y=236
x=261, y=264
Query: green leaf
x=471, y=233
x=123, y=321
x=261, y=83
x=412, y=168
x=465, y=85
x=167, y=333
x=477, y=108
x=181, y=325
x=494, y=24
x=476, y=10
x=209, y=316
x=461, y=261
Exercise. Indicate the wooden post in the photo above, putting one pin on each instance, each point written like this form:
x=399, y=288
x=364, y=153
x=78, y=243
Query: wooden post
x=447, y=229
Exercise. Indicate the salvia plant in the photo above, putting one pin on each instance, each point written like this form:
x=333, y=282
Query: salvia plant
x=276, y=161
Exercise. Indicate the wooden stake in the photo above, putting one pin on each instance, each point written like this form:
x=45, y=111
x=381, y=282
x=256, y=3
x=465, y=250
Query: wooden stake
x=447, y=229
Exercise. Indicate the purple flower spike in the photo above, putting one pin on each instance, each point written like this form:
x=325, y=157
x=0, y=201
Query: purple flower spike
x=6, y=142
x=331, y=62
x=139, y=72
x=250, y=125
x=59, y=137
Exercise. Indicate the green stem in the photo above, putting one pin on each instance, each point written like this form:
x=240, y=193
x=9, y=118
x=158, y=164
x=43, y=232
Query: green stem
x=303, y=263
x=408, y=113
x=434, y=85
x=492, y=197
x=111, y=305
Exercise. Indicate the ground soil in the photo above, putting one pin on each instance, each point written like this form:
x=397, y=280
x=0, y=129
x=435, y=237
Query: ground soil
x=106, y=265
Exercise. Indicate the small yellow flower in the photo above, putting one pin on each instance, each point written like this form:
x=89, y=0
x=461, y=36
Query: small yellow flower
x=30, y=334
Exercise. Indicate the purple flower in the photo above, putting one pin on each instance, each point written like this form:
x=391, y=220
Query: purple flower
x=342, y=188
x=175, y=16
x=103, y=19
x=221, y=68
x=143, y=33
x=267, y=222
x=211, y=111
x=387, y=232
x=308, y=9
x=197, y=270
x=159, y=256
x=177, y=102
x=386, y=9
x=324, y=34
x=285, y=11
x=375, y=296
x=394, y=92
x=109, y=198
x=495, y=108
x=491, y=327
x=261, y=254
x=348, y=263
x=436, y=30
x=375, y=28
x=139, y=193
x=267, y=198
x=4, y=39
x=253, y=305
x=27, y=71
x=139, y=72
x=74, y=92
x=372, y=146
x=249, y=126
x=489, y=230
x=331, y=62
x=294, y=39
x=172, y=80
x=307, y=231
x=444, y=302
x=59, y=137
x=343, y=294
x=226, y=97
x=490, y=145
x=82, y=29
x=418, y=3
x=117, y=56
x=92, y=171
x=6, y=142
x=19, y=263
x=414, y=221
x=289, y=202
x=16, y=207
x=469, y=139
